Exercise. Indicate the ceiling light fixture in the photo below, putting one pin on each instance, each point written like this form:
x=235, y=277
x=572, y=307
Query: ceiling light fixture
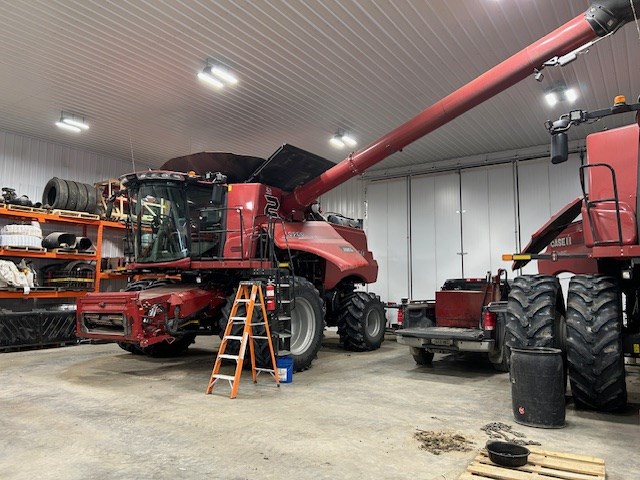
x=336, y=141
x=341, y=139
x=560, y=93
x=72, y=122
x=217, y=75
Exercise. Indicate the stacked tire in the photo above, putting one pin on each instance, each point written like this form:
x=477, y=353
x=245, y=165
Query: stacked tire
x=69, y=195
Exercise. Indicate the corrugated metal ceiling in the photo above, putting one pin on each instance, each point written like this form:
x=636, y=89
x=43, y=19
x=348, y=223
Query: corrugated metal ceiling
x=306, y=68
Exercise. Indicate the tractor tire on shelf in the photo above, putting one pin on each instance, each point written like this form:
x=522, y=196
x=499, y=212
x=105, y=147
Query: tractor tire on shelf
x=361, y=321
x=74, y=194
x=594, y=346
x=56, y=194
x=535, y=313
x=83, y=197
x=92, y=199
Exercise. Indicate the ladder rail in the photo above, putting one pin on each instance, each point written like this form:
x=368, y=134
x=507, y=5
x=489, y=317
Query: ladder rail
x=248, y=298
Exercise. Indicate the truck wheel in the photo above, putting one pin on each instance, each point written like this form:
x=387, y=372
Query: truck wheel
x=421, y=356
x=535, y=313
x=307, y=324
x=361, y=321
x=594, y=347
x=500, y=358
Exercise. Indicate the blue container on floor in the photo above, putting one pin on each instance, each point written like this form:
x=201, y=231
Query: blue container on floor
x=284, y=366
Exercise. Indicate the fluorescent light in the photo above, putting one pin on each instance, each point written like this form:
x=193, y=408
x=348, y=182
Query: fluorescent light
x=336, y=141
x=205, y=76
x=68, y=127
x=76, y=123
x=223, y=74
x=571, y=94
x=551, y=98
x=348, y=140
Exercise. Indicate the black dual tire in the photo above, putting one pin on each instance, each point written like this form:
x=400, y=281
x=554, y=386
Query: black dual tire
x=69, y=195
x=361, y=321
x=535, y=313
x=594, y=346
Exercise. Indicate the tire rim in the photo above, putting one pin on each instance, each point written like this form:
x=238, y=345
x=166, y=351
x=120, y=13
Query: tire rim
x=373, y=322
x=303, y=326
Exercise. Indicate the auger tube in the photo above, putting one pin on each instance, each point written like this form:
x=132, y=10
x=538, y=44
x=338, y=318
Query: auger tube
x=603, y=17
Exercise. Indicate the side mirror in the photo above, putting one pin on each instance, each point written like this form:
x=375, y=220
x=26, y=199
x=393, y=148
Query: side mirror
x=559, y=148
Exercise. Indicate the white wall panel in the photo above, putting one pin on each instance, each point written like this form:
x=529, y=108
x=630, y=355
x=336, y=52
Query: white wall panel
x=435, y=232
x=346, y=199
x=386, y=226
x=27, y=164
x=423, y=238
x=488, y=219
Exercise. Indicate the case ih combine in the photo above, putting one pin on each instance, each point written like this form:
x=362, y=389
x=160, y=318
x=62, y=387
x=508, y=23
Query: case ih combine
x=214, y=230
x=596, y=330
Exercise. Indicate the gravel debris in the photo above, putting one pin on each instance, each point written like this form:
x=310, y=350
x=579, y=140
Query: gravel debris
x=437, y=442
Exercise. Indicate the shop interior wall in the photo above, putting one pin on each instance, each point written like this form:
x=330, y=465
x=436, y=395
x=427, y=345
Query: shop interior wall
x=27, y=164
x=424, y=229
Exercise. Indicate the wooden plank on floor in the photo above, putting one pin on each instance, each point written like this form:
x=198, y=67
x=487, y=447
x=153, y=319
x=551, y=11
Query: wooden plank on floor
x=541, y=465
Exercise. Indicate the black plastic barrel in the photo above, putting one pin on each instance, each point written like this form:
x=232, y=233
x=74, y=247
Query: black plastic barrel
x=538, y=387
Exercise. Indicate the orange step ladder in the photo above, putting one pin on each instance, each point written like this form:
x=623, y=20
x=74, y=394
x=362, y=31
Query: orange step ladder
x=250, y=295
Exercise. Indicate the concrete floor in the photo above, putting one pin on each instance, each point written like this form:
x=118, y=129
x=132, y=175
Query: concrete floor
x=97, y=412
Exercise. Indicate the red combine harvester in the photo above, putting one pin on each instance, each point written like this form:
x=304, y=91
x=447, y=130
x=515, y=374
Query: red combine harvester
x=222, y=226
x=597, y=328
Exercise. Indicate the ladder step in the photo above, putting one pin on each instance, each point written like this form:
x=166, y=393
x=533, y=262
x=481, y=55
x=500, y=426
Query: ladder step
x=238, y=318
x=259, y=337
x=270, y=370
x=228, y=357
x=283, y=353
x=283, y=335
x=233, y=337
x=283, y=318
x=257, y=324
x=247, y=300
x=231, y=378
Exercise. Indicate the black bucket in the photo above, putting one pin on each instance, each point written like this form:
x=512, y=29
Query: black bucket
x=537, y=387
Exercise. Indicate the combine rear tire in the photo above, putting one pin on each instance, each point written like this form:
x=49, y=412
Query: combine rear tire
x=594, y=348
x=361, y=321
x=535, y=313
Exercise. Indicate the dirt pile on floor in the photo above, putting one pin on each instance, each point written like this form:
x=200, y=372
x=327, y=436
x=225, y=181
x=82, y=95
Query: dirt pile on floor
x=437, y=442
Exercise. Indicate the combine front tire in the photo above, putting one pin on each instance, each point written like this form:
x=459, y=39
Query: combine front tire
x=535, y=313
x=361, y=321
x=594, y=348
x=307, y=324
